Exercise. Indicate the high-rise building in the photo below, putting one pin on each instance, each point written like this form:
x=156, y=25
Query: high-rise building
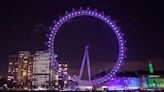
x=25, y=70
x=41, y=69
x=13, y=68
x=44, y=74
x=20, y=69
x=57, y=79
x=24, y=74
x=63, y=82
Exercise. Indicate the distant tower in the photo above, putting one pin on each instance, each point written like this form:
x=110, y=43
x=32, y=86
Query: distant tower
x=151, y=70
x=85, y=57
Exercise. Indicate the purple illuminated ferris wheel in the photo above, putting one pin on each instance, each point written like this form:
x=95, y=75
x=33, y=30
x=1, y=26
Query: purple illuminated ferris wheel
x=102, y=17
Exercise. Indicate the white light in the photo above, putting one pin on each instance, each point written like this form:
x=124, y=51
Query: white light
x=56, y=26
x=58, y=23
x=63, y=18
x=61, y=21
x=102, y=17
x=66, y=17
x=99, y=15
x=113, y=26
x=69, y=15
x=53, y=31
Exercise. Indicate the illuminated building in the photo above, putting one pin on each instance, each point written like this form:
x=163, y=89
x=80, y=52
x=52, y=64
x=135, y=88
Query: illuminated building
x=141, y=79
x=41, y=69
x=24, y=74
x=20, y=69
x=44, y=75
x=62, y=82
x=57, y=80
x=151, y=70
x=13, y=68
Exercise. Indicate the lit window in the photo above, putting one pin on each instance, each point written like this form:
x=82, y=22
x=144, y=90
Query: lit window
x=65, y=82
x=16, y=69
x=65, y=69
x=25, y=57
x=25, y=61
x=65, y=65
x=65, y=72
x=10, y=63
x=24, y=74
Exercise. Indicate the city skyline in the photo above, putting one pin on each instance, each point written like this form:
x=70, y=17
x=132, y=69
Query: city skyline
x=24, y=26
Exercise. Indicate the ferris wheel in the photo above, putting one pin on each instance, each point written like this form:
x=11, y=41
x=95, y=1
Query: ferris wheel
x=101, y=16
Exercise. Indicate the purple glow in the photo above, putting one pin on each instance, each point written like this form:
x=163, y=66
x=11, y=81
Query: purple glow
x=124, y=83
x=101, y=16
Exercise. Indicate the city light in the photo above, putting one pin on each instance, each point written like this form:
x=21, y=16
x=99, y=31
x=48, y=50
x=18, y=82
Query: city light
x=76, y=46
x=107, y=20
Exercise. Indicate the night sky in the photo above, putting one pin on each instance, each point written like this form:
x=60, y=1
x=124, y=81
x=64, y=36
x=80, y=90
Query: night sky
x=24, y=25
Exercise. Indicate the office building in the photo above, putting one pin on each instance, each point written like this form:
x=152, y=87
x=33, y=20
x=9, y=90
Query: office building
x=41, y=69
